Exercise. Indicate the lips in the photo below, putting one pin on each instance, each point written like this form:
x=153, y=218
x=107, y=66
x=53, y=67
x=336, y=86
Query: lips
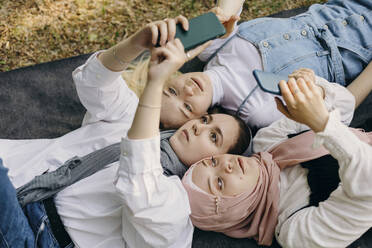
x=186, y=134
x=241, y=164
x=198, y=83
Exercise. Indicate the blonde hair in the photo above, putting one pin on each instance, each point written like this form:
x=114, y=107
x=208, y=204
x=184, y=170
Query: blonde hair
x=136, y=74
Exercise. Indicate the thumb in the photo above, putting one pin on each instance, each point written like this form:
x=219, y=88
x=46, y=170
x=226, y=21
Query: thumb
x=282, y=108
x=196, y=51
x=154, y=55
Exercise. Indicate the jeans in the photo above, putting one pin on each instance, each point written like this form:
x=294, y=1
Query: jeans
x=27, y=227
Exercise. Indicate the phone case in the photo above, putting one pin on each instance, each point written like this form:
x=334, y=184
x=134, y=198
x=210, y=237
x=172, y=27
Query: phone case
x=269, y=82
x=201, y=29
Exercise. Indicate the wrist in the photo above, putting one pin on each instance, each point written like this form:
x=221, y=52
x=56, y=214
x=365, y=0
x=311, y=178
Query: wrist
x=136, y=44
x=156, y=84
x=320, y=124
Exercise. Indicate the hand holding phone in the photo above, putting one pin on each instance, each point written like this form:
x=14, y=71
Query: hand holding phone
x=269, y=82
x=201, y=29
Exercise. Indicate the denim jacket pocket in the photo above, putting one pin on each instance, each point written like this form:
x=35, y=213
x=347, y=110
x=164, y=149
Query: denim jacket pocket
x=296, y=49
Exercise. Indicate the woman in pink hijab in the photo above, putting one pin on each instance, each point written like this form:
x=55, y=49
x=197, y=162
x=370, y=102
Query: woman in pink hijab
x=268, y=194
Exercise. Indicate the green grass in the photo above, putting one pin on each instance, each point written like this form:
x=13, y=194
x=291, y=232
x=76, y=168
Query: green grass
x=36, y=31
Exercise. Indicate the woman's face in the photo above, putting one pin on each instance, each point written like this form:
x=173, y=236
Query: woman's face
x=185, y=97
x=205, y=137
x=226, y=175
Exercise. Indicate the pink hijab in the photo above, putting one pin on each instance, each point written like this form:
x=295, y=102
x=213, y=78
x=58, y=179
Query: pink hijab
x=254, y=214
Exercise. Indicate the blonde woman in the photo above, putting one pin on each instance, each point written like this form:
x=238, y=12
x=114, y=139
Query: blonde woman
x=105, y=208
x=331, y=39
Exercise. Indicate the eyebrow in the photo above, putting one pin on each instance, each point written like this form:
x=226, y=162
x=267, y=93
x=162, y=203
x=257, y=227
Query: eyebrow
x=218, y=131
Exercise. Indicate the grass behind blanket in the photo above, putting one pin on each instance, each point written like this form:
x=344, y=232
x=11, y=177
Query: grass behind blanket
x=37, y=31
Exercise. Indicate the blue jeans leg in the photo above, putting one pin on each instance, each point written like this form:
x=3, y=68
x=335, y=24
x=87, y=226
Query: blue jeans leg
x=28, y=227
x=15, y=230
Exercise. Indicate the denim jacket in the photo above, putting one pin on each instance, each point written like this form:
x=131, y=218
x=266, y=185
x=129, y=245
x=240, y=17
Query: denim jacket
x=333, y=39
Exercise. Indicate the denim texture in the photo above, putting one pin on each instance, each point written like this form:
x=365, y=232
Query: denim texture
x=28, y=227
x=333, y=39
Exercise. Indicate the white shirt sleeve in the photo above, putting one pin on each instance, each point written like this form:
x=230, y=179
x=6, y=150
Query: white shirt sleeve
x=103, y=92
x=336, y=97
x=277, y=132
x=346, y=214
x=156, y=208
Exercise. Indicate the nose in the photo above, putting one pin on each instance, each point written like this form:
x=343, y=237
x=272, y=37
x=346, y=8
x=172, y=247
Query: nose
x=228, y=167
x=196, y=129
x=189, y=91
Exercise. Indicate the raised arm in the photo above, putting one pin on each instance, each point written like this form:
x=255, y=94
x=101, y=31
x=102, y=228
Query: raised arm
x=164, y=62
x=330, y=224
x=99, y=84
x=155, y=207
x=335, y=97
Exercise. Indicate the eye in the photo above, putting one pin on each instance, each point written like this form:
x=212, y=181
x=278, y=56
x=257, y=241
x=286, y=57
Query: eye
x=204, y=119
x=214, y=162
x=188, y=107
x=172, y=91
x=219, y=183
x=213, y=137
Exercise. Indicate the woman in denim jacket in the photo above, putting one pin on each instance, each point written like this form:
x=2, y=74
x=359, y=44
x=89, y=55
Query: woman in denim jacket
x=332, y=39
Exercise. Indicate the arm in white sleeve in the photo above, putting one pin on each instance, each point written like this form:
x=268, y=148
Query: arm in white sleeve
x=346, y=214
x=335, y=97
x=338, y=97
x=155, y=207
x=277, y=132
x=103, y=92
x=217, y=43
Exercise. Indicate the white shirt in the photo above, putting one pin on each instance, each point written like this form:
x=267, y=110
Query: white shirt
x=128, y=204
x=230, y=72
x=346, y=214
x=131, y=204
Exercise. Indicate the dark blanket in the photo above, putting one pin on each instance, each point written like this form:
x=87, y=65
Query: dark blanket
x=41, y=102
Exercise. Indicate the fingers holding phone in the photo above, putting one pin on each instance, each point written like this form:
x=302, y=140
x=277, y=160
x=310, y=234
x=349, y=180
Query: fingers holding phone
x=303, y=103
x=304, y=73
x=166, y=60
x=171, y=23
x=167, y=32
x=158, y=32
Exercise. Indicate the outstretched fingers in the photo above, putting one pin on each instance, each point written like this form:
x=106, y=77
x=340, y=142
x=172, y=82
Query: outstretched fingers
x=165, y=30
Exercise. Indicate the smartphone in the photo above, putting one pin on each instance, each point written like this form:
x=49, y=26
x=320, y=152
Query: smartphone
x=201, y=29
x=269, y=82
